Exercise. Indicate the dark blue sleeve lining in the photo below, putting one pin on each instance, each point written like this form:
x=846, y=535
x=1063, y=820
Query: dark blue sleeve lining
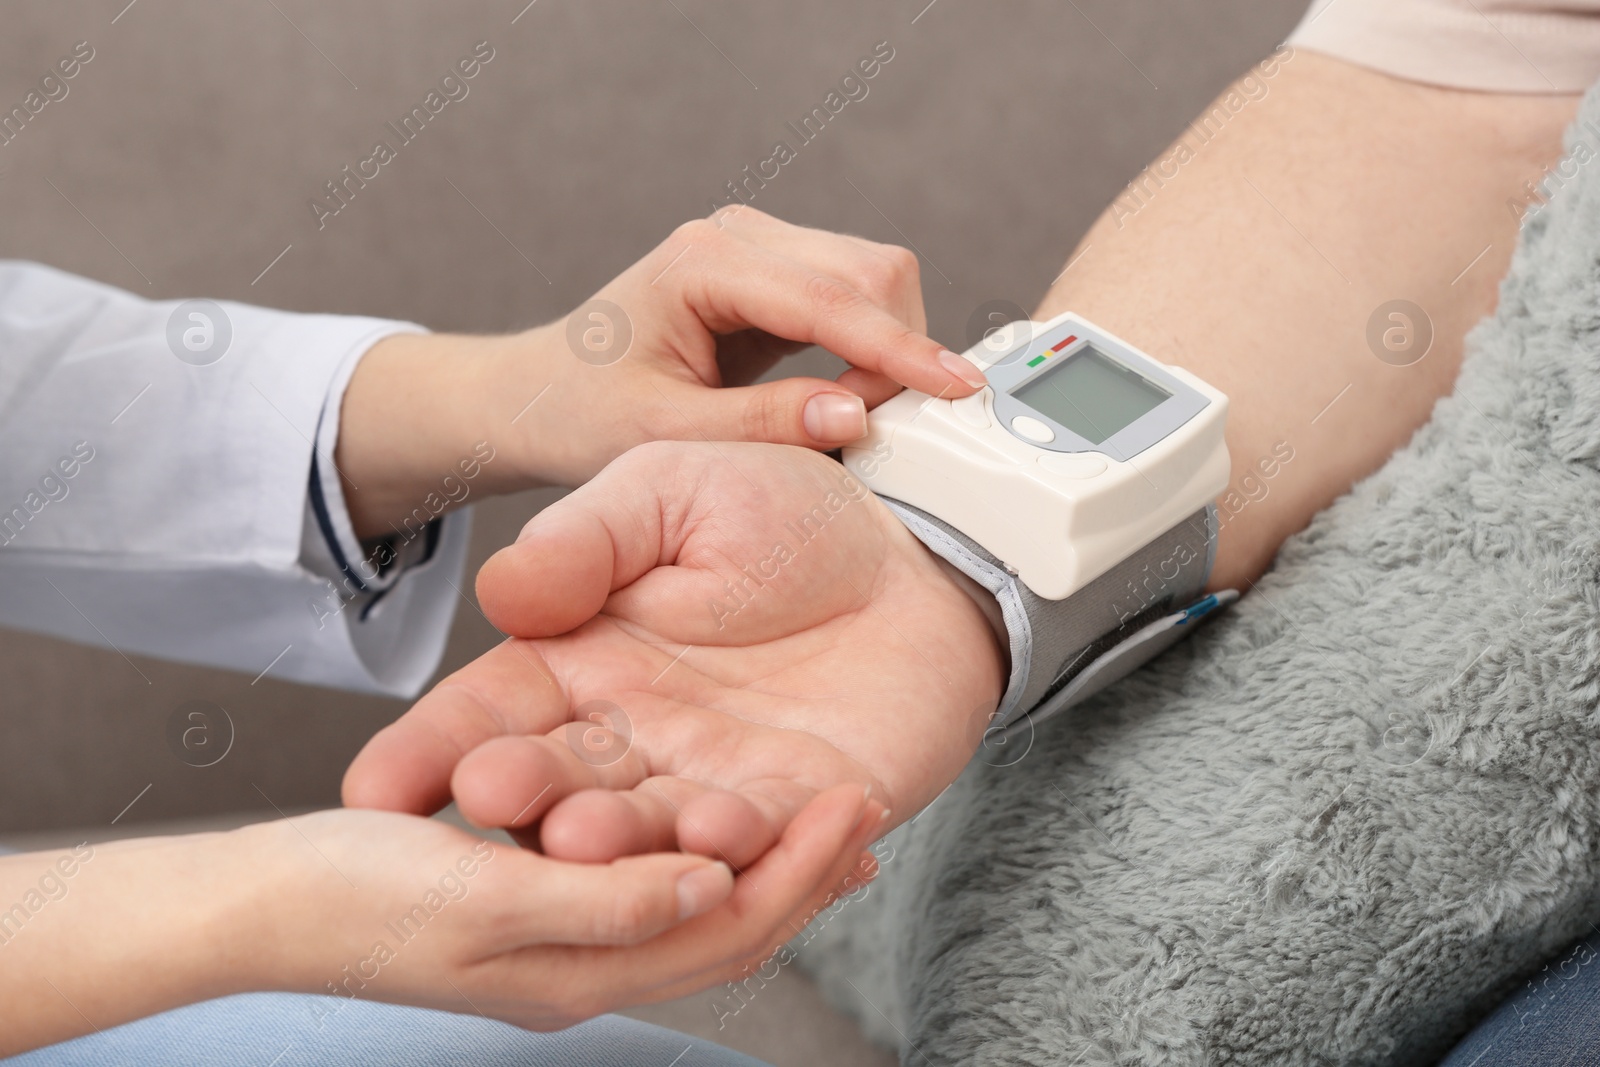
x=319, y=508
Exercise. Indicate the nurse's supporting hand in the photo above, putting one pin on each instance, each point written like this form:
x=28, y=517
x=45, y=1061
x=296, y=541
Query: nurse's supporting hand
x=666, y=351
x=766, y=629
x=406, y=910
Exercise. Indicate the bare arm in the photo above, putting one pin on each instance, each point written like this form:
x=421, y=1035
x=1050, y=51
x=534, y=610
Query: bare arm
x=1256, y=254
x=393, y=908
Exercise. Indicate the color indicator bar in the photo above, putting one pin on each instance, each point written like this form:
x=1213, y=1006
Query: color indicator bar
x=1054, y=349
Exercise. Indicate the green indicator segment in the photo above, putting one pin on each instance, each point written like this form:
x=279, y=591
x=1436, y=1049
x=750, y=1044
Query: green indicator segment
x=1036, y=360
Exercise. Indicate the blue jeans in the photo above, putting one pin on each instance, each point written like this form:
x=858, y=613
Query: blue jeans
x=282, y=1029
x=1553, y=1021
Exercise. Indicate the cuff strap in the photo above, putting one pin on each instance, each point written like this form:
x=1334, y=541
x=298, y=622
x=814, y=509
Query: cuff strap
x=1064, y=651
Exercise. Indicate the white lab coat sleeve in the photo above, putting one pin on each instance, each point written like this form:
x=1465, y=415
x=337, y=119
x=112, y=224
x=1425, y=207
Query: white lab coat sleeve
x=157, y=488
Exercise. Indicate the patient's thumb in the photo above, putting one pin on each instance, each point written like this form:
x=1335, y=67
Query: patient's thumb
x=554, y=578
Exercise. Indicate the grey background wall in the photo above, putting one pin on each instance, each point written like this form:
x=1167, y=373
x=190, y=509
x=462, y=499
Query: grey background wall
x=191, y=144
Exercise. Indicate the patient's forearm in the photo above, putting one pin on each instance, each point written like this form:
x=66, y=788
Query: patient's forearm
x=1257, y=257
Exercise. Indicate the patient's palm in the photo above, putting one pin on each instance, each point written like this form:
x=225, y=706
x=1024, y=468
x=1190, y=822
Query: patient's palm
x=774, y=630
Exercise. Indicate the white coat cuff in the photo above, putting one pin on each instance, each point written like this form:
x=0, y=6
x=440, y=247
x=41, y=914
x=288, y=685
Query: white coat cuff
x=176, y=526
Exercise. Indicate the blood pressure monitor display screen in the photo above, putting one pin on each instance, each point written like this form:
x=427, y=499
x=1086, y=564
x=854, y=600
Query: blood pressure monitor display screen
x=1091, y=394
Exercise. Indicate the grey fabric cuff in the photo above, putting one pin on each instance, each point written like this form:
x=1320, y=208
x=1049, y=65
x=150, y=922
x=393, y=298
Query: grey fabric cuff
x=1063, y=651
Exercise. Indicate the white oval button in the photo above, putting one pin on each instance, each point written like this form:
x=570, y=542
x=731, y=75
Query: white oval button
x=1073, y=464
x=971, y=410
x=1032, y=429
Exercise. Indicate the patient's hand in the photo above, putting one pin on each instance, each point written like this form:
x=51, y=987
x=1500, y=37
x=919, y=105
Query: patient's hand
x=767, y=629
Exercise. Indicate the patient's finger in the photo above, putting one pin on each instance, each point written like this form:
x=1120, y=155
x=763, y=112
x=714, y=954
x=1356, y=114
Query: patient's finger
x=573, y=554
x=624, y=530
x=663, y=813
x=512, y=781
x=567, y=561
x=599, y=825
x=738, y=827
x=407, y=765
x=667, y=812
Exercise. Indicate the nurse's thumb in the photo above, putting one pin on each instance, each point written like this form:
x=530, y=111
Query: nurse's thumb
x=810, y=412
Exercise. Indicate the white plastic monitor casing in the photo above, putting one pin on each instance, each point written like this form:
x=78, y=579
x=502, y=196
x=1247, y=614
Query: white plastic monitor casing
x=1058, y=523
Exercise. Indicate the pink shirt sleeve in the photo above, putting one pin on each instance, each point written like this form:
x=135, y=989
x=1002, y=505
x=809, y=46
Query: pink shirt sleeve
x=1515, y=46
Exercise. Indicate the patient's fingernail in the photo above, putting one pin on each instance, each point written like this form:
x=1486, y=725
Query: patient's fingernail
x=962, y=368
x=703, y=889
x=835, y=417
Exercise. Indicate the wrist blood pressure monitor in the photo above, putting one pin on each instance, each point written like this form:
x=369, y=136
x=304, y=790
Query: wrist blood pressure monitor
x=1077, y=487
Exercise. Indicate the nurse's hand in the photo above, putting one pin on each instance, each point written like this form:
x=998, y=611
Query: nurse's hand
x=530, y=940
x=666, y=351
x=401, y=909
x=766, y=629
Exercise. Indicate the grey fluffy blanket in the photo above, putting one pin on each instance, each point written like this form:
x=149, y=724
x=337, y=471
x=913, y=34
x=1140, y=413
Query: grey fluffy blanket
x=1348, y=817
